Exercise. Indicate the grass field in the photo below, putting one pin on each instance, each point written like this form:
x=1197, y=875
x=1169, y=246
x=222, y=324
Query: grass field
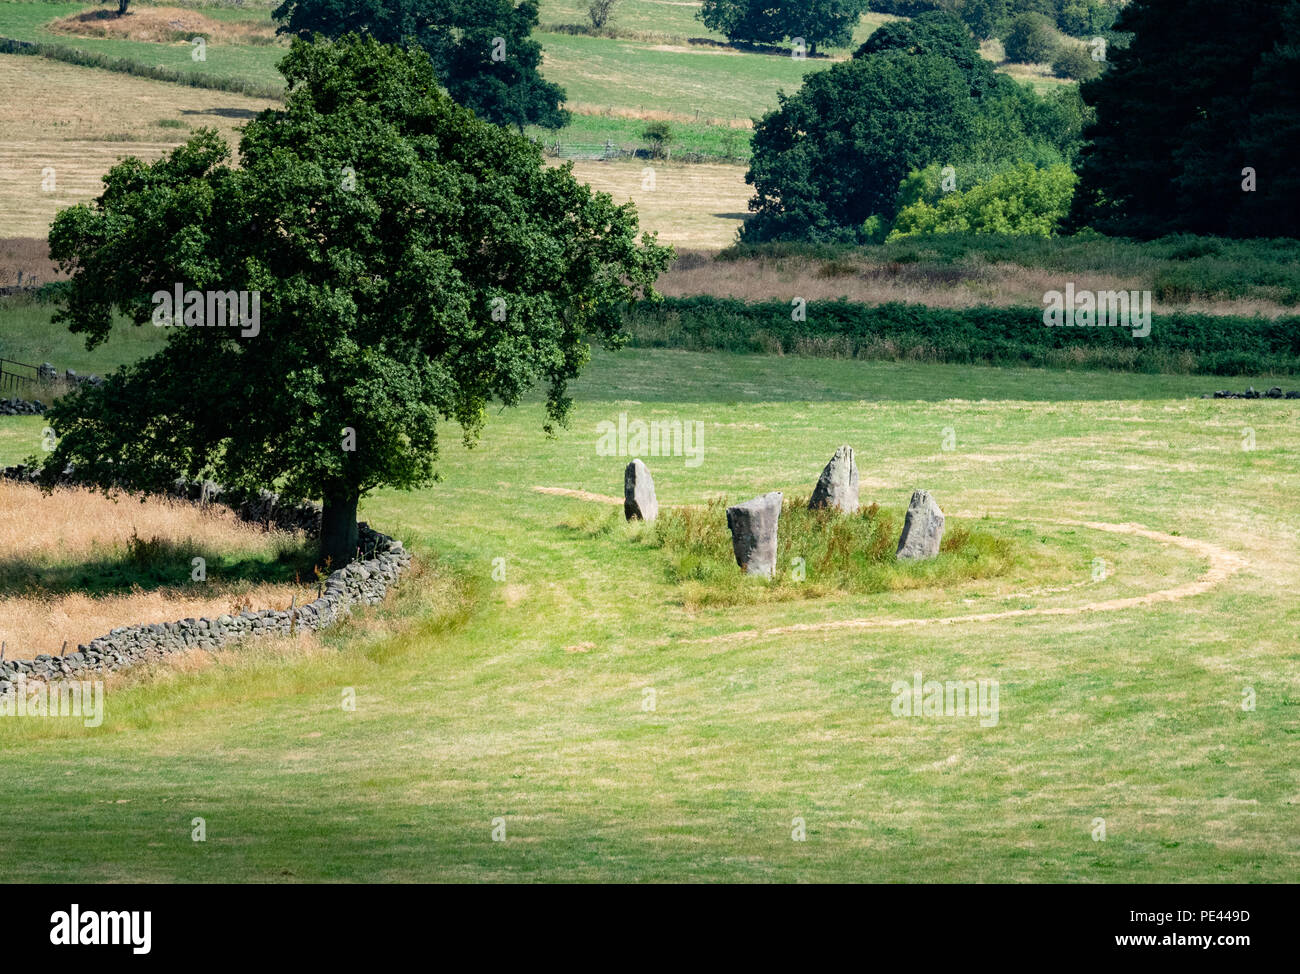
x=26, y=21
x=690, y=206
x=718, y=84
x=65, y=126
x=525, y=699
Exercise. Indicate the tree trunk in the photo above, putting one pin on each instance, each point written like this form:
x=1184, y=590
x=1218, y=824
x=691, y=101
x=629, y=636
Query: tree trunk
x=338, y=529
x=121, y=6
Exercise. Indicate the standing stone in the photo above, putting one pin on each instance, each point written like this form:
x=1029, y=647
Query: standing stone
x=837, y=487
x=639, y=501
x=753, y=533
x=922, y=528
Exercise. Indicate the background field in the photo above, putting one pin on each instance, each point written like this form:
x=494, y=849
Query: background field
x=522, y=699
x=709, y=93
x=80, y=121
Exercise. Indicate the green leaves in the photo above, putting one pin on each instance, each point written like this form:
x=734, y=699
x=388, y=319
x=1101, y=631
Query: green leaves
x=1023, y=201
x=413, y=264
x=1183, y=111
x=482, y=50
x=833, y=154
x=828, y=162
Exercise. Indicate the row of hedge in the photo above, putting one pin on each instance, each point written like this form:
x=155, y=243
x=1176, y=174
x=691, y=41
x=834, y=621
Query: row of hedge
x=1178, y=343
x=88, y=59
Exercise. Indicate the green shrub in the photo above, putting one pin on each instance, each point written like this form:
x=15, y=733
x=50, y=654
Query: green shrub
x=1072, y=61
x=659, y=135
x=1020, y=201
x=1178, y=343
x=1028, y=39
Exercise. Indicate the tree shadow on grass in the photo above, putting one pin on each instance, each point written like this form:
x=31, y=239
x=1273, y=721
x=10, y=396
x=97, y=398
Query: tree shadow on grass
x=222, y=112
x=156, y=564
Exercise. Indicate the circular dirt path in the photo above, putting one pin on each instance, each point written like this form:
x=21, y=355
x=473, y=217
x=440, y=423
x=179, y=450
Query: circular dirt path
x=1222, y=565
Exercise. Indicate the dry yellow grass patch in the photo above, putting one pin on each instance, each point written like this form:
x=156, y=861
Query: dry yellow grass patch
x=62, y=127
x=29, y=256
x=30, y=627
x=700, y=206
x=160, y=25
x=74, y=524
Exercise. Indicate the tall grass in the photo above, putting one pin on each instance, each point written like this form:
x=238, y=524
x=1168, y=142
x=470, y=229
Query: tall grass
x=75, y=564
x=1176, y=268
x=819, y=553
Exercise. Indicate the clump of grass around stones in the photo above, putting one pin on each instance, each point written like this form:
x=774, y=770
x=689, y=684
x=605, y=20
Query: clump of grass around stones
x=819, y=553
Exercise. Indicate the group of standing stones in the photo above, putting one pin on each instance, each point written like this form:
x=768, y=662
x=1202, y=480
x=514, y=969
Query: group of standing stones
x=753, y=524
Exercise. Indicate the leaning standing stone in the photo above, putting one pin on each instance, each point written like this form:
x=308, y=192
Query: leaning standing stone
x=837, y=487
x=639, y=502
x=753, y=533
x=922, y=528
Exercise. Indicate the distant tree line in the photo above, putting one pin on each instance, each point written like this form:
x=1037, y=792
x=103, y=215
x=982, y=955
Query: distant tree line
x=992, y=18
x=1188, y=130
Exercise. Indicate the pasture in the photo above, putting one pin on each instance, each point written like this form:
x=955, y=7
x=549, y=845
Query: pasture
x=523, y=697
x=64, y=126
x=553, y=694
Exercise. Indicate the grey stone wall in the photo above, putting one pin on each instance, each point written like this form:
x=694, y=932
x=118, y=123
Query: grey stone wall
x=21, y=407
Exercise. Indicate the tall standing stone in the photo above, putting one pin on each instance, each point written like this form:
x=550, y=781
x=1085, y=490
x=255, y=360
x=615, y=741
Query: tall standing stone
x=837, y=487
x=639, y=501
x=753, y=533
x=922, y=528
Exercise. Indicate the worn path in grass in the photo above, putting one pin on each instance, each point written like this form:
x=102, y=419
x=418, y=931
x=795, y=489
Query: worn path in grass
x=1222, y=565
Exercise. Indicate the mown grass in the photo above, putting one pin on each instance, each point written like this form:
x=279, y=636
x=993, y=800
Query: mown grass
x=522, y=696
x=710, y=84
x=587, y=135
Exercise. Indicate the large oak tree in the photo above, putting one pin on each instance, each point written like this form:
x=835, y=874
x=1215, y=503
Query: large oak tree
x=414, y=264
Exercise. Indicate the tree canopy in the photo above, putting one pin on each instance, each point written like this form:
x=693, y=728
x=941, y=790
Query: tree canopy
x=831, y=156
x=413, y=264
x=483, y=50
x=769, y=21
x=1183, y=111
x=1021, y=201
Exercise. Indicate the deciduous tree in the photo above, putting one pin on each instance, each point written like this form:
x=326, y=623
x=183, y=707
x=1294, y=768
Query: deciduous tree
x=413, y=263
